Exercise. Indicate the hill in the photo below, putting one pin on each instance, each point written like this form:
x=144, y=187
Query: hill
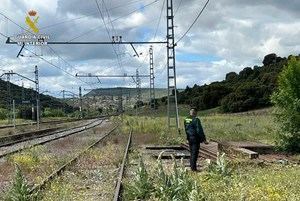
x=20, y=94
x=249, y=89
x=128, y=92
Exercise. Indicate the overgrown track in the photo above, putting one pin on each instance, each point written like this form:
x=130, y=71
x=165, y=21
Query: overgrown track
x=58, y=171
x=52, y=137
x=44, y=122
x=21, y=137
x=47, y=122
x=118, y=191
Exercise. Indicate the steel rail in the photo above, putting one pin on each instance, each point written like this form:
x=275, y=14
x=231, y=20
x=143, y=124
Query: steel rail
x=118, y=191
x=58, y=171
x=21, y=137
x=32, y=135
x=48, y=122
x=84, y=128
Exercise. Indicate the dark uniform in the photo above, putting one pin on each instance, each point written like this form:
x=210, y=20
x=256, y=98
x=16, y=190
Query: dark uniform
x=195, y=135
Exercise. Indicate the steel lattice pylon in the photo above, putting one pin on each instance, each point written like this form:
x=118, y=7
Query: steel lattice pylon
x=9, y=99
x=173, y=120
x=138, y=87
x=152, y=87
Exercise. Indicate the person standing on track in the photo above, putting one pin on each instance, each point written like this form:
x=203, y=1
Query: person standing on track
x=195, y=135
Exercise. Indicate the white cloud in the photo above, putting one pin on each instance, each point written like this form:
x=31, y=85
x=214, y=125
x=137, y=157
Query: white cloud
x=236, y=33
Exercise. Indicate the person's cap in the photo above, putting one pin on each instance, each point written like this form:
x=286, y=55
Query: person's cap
x=194, y=109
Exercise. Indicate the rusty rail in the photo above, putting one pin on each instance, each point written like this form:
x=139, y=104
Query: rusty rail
x=118, y=191
x=50, y=140
x=58, y=171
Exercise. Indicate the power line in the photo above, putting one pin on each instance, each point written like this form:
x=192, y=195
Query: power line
x=42, y=58
x=114, y=20
x=108, y=33
x=86, y=16
x=113, y=30
x=178, y=7
x=39, y=55
x=161, y=12
x=194, y=22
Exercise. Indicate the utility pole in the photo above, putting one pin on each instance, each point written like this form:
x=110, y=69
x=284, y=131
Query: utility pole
x=64, y=108
x=14, y=113
x=120, y=104
x=173, y=120
x=37, y=88
x=80, y=99
x=23, y=93
x=138, y=90
x=152, y=88
x=36, y=81
x=138, y=86
x=8, y=98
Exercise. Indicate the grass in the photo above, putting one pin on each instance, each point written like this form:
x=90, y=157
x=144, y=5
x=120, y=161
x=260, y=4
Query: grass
x=93, y=175
x=252, y=182
x=252, y=126
x=224, y=180
x=159, y=183
x=240, y=127
x=234, y=181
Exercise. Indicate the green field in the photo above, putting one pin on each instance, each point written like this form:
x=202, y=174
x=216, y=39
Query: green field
x=253, y=126
x=238, y=179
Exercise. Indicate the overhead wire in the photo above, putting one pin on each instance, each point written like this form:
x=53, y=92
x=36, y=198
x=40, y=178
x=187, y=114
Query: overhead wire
x=39, y=55
x=118, y=46
x=108, y=32
x=156, y=31
x=92, y=30
x=86, y=16
x=178, y=7
x=114, y=20
x=42, y=58
x=194, y=22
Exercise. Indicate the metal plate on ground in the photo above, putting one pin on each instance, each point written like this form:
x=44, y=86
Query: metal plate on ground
x=167, y=152
x=258, y=147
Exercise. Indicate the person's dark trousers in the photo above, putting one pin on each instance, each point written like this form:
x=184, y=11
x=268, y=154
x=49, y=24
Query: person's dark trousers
x=194, y=150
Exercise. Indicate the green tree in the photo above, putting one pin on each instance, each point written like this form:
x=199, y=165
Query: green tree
x=287, y=102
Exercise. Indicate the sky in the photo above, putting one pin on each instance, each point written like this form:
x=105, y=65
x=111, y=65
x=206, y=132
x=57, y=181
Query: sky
x=229, y=36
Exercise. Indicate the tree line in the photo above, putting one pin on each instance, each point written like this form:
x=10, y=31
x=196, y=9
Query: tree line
x=249, y=89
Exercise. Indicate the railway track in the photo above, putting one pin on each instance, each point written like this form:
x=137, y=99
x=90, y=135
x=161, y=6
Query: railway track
x=75, y=160
x=51, y=157
x=44, y=122
x=28, y=142
x=118, y=191
x=69, y=163
x=47, y=122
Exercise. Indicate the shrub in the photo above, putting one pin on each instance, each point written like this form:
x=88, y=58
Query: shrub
x=141, y=187
x=20, y=190
x=220, y=167
x=287, y=102
x=3, y=113
x=164, y=186
x=49, y=112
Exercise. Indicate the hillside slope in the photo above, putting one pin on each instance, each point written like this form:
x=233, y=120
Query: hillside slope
x=29, y=96
x=128, y=92
x=250, y=89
